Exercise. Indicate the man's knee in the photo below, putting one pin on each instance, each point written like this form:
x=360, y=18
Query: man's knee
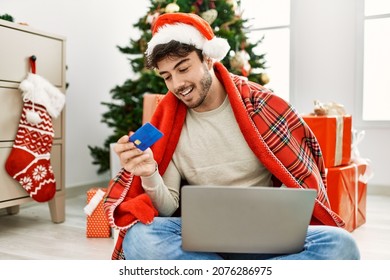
x=346, y=244
x=152, y=241
x=136, y=241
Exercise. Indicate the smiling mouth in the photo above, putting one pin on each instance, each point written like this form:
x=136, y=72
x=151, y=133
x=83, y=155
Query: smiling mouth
x=186, y=92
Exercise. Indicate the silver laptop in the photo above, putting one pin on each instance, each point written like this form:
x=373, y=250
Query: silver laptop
x=245, y=219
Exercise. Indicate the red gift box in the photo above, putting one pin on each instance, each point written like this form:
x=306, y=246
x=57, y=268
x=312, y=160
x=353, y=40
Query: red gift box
x=150, y=102
x=348, y=194
x=334, y=135
x=97, y=221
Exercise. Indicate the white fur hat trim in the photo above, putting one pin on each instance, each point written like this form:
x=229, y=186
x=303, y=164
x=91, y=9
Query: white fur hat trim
x=216, y=48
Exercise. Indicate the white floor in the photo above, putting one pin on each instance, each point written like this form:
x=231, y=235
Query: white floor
x=31, y=235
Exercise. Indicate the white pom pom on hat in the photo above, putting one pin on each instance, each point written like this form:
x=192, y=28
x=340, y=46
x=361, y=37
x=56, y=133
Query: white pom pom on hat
x=189, y=29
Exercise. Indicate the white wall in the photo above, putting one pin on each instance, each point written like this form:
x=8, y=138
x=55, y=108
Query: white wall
x=324, y=53
x=324, y=67
x=93, y=29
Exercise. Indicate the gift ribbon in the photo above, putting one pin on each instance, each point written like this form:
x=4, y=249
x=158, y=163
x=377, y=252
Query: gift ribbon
x=355, y=166
x=336, y=110
x=357, y=137
x=362, y=178
x=338, y=157
x=368, y=174
x=94, y=202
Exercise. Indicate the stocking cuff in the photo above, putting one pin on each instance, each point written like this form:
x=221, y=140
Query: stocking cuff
x=38, y=90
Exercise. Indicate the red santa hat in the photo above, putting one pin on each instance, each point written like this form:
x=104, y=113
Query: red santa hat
x=189, y=29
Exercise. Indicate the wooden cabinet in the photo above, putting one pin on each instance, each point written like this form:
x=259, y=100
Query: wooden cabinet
x=18, y=44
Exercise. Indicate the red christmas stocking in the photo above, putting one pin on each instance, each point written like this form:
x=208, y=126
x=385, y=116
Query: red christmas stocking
x=29, y=160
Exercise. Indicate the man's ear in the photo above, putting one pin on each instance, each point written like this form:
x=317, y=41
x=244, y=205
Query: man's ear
x=209, y=61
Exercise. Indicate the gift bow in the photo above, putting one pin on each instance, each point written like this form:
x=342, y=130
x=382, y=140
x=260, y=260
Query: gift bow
x=357, y=137
x=328, y=109
x=94, y=202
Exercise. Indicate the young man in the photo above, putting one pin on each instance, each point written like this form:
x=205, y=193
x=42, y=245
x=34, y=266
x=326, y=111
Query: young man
x=219, y=129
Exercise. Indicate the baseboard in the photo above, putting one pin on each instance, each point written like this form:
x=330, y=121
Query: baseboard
x=378, y=190
x=75, y=191
x=70, y=192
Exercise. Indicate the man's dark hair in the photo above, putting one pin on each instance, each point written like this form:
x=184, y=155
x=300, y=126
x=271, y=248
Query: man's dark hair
x=171, y=49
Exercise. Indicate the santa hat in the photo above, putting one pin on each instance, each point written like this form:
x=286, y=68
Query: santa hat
x=189, y=29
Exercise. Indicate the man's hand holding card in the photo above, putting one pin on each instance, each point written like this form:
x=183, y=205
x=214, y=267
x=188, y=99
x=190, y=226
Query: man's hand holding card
x=145, y=136
x=133, y=150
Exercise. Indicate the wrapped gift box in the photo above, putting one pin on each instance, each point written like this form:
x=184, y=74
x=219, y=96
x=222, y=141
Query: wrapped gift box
x=348, y=193
x=97, y=222
x=334, y=134
x=150, y=102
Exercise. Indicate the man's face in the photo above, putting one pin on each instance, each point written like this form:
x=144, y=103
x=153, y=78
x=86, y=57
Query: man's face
x=188, y=79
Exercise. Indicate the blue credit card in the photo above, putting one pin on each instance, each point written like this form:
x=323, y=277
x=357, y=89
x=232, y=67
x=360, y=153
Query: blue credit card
x=145, y=136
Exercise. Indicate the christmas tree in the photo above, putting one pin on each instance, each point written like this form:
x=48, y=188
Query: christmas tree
x=125, y=111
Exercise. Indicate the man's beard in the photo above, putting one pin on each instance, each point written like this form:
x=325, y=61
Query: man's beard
x=205, y=84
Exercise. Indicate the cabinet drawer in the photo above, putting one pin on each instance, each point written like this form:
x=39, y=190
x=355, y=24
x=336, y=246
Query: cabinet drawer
x=17, y=45
x=11, y=189
x=10, y=112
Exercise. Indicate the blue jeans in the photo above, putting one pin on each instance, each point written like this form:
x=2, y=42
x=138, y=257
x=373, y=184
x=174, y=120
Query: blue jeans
x=161, y=240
